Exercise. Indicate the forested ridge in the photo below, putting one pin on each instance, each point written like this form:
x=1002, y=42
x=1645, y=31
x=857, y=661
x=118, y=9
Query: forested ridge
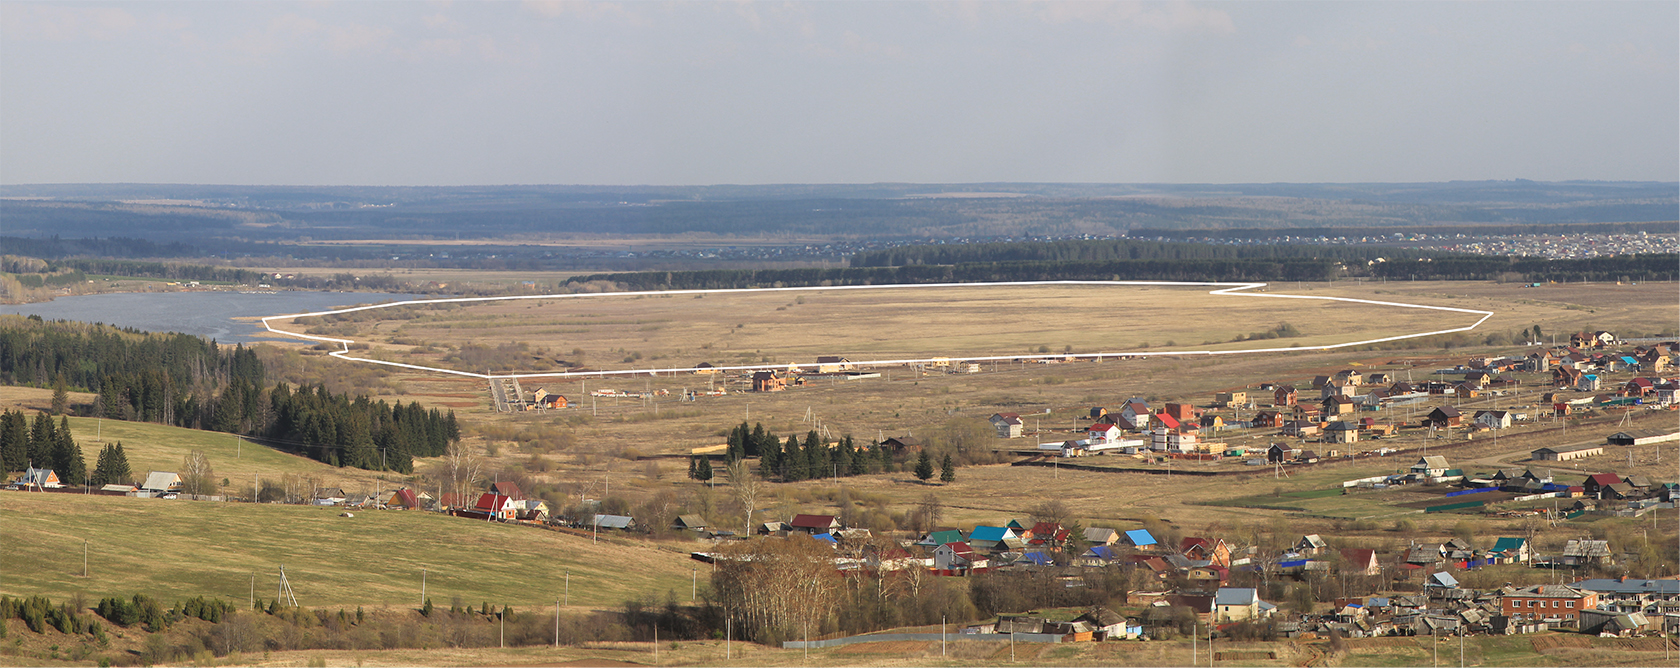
x=1658, y=267
x=191, y=382
x=1107, y=250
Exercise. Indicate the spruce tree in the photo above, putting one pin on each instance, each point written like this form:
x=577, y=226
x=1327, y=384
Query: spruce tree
x=60, y=397
x=947, y=469
x=693, y=466
x=42, y=442
x=885, y=454
x=793, y=460
x=924, y=466
x=14, y=440
x=704, y=472
x=72, y=466
x=860, y=459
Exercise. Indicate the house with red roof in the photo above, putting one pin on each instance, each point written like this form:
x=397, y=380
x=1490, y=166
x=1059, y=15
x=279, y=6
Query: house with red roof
x=403, y=499
x=1598, y=482
x=815, y=524
x=494, y=506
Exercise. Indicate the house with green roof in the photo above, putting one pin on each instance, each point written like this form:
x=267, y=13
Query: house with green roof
x=1509, y=551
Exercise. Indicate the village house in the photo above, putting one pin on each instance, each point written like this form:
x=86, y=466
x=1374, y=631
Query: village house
x=1335, y=405
x=164, y=482
x=1493, y=419
x=1008, y=425
x=1432, y=466
x=39, y=478
x=1284, y=395
x=1509, y=550
x=1233, y=399
x=402, y=499
x=1360, y=561
x=542, y=398
x=1235, y=604
x=956, y=557
x=768, y=381
x=1309, y=545
x=1342, y=432
x=833, y=364
x=815, y=524
x=1442, y=417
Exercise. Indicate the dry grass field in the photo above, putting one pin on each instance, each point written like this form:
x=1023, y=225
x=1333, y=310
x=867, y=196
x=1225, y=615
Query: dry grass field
x=607, y=331
x=178, y=549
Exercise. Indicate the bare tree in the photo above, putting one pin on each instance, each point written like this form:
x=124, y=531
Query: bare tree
x=1053, y=511
x=745, y=486
x=197, y=478
x=462, y=468
x=928, y=511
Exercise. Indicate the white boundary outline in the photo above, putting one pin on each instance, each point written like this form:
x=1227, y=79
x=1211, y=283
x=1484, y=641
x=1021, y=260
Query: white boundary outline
x=1230, y=289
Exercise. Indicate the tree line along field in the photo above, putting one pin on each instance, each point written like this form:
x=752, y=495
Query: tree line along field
x=742, y=328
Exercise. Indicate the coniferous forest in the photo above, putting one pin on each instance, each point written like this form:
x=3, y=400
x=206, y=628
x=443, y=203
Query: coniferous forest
x=191, y=382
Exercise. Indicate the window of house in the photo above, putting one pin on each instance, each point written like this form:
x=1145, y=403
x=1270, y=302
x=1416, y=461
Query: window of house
x=1568, y=604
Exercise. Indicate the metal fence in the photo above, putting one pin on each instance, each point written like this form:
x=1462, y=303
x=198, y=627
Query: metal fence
x=952, y=637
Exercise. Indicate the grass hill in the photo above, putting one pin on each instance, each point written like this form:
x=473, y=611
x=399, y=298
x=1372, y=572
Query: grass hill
x=177, y=549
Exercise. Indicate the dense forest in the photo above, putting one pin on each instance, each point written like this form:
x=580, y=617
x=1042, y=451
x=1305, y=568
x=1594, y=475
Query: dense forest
x=191, y=382
x=1104, y=250
x=1635, y=268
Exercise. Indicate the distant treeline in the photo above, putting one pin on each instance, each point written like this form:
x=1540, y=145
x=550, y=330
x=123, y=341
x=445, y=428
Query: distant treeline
x=1106, y=250
x=114, y=247
x=169, y=270
x=1333, y=263
x=1649, y=267
x=1658, y=227
x=191, y=382
x=1117, y=270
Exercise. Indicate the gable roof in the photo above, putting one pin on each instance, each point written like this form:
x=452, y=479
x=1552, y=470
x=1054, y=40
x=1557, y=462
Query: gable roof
x=988, y=534
x=813, y=521
x=404, y=497
x=613, y=521
x=492, y=502
x=161, y=480
x=1236, y=596
x=507, y=489
x=691, y=521
x=938, y=538
x=1100, y=534
x=1507, y=544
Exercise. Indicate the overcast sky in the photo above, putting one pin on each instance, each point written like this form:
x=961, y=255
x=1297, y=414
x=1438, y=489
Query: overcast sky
x=462, y=93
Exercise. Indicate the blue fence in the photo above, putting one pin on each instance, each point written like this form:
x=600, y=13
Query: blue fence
x=1462, y=492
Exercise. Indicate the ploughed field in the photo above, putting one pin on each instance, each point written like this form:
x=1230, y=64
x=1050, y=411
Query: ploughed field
x=609, y=331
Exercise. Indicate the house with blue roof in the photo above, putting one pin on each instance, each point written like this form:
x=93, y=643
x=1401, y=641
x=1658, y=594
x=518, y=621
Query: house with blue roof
x=1097, y=556
x=1140, y=539
x=993, y=538
x=1035, y=558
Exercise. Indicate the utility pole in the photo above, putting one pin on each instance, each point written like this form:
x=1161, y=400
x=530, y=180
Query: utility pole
x=557, y=623
x=568, y=588
x=422, y=587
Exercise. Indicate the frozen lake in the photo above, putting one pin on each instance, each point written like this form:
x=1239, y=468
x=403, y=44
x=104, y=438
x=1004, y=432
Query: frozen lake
x=208, y=314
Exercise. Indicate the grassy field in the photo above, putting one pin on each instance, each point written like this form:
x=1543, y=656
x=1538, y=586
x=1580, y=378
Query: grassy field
x=617, y=332
x=177, y=549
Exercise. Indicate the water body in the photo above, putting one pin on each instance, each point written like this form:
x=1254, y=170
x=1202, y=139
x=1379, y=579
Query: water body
x=207, y=314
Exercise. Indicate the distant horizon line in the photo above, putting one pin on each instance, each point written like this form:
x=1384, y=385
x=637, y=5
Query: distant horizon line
x=830, y=183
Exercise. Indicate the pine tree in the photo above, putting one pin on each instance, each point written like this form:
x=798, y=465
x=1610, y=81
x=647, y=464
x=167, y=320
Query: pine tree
x=886, y=457
x=947, y=469
x=924, y=466
x=693, y=466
